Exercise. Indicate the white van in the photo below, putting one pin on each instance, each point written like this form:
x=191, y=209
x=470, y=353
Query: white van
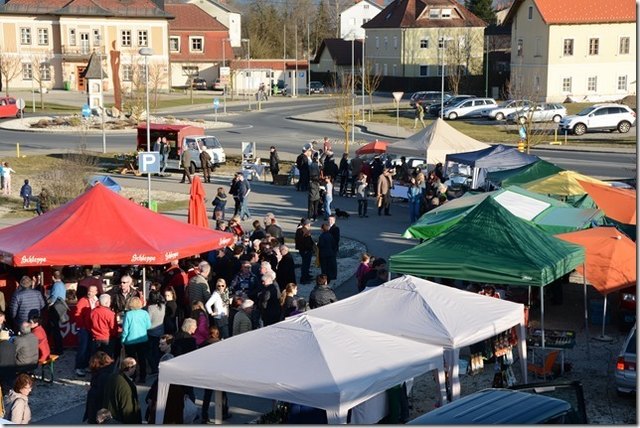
x=198, y=143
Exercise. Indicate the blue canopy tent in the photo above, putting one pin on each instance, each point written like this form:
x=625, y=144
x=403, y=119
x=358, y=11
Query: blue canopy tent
x=105, y=180
x=495, y=158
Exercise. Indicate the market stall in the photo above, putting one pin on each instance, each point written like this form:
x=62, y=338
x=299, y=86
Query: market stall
x=304, y=360
x=430, y=313
x=523, y=174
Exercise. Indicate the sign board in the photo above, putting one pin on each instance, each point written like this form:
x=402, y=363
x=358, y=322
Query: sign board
x=216, y=103
x=522, y=132
x=20, y=103
x=86, y=110
x=149, y=162
x=397, y=96
x=225, y=75
x=302, y=74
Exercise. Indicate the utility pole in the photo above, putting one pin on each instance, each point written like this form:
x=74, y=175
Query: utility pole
x=362, y=76
x=295, y=79
x=104, y=135
x=308, y=61
x=284, y=56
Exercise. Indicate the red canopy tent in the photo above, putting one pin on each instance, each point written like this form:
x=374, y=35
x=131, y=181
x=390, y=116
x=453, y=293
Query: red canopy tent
x=375, y=147
x=102, y=227
x=618, y=204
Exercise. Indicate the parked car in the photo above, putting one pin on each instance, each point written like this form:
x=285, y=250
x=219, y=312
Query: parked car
x=600, y=117
x=280, y=88
x=434, y=109
x=627, y=305
x=625, y=374
x=468, y=108
x=218, y=86
x=8, y=107
x=315, y=87
x=198, y=83
x=543, y=112
x=427, y=98
x=502, y=110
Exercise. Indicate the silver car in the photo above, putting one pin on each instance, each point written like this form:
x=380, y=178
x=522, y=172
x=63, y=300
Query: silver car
x=625, y=373
x=502, y=110
x=543, y=112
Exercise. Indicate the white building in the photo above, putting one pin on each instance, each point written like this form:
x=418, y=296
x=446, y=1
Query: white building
x=226, y=14
x=352, y=18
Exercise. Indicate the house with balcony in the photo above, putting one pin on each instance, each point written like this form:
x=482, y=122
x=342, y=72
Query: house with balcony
x=584, y=50
x=226, y=14
x=352, y=18
x=198, y=45
x=51, y=41
x=409, y=41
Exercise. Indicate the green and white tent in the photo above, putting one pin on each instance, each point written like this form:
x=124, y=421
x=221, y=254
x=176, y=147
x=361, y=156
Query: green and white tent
x=491, y=245
x=524, y=174
x=547, y=213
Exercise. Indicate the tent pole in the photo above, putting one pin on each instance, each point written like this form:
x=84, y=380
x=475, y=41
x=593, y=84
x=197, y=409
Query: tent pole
x=217, y=417
x=454, y=372
x=604, y=315
x=542, y=313
x=522, y=350
x=586, y=308
x=145, y=292
x=529, y=297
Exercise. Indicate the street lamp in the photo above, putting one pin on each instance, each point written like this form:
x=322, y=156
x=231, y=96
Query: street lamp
x=362, y=77
x=146, y=53
x=249, y=64
x=353, y=90
x=441, y=44
x=104, y=135
x=224, y=85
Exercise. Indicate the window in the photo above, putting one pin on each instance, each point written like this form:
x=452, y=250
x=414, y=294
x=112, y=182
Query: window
x=592, y=84
x=594, y=46
x=537, y=84
x=530, y=13
x=384, y=70
x=446, y=13
x=519, y=47
x=96, y=37
x=434, y=13
x=538, y=44
x=395, y=69
x=143, y=38
x=567, y=49
x=127, y=73
x=43, y=36
x=174, y=44
x=125, y=38
x=377, y=42
x=424, y=70
x=386, y=42
x=72, y=37
x=395, y=42
x=624, y=45
x=196, y=44
x=622, y=83
x=194, y=71
x=424, y=44
x=27, y=71
x=566, y=84
x=45, y=71
x=25, y=36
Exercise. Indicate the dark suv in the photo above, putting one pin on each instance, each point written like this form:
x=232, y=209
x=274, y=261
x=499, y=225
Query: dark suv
x=427, y=98
x=315, y=87
x=199, y=84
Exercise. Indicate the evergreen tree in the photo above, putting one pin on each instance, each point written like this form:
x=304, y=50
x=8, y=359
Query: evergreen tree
x=321, y=26
x=483, y=9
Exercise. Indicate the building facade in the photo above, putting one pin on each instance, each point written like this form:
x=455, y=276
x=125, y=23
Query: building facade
x=352, y=18
x=226, y=14
x=584, y=50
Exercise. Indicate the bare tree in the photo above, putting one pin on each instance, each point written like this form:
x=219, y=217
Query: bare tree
x=157, y=78
x=40, y=73
x=370, y=82
x=342, y=109
x=10, y=68
x=135, y=98
x=191, y=70
x=461, y=59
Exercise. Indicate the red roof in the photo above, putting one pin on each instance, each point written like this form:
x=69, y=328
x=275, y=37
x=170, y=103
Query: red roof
x=190, y=17
x=581, y=11
x=415, y=14
x=102, y=227
x=137, y=8
x=273, y=64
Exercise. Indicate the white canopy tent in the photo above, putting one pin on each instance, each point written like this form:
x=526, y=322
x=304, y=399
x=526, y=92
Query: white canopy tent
x=431, y=313
x=435, y=142
x=304, y=360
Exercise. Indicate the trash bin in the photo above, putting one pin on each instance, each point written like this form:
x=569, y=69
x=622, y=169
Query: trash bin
x=67, y=85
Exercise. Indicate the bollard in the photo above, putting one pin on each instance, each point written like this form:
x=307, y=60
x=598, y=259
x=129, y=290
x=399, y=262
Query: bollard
x=17, y=150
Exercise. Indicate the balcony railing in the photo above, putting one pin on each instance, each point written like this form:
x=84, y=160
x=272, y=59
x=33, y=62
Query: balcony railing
x=80, y=51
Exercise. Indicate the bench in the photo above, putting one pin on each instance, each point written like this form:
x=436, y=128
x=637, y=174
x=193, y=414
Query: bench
x=49, y=363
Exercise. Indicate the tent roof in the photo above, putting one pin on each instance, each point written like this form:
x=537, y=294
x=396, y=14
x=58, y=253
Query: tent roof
x=305, y=360
x=426, y=311
x=618, y=204
x=107, y=181
x=491, y=245
x=522, y=203
x=610, y=257
x=469, y=158
x=564, y=183
x=523, y=174
x=102, y=227
x=435, y=142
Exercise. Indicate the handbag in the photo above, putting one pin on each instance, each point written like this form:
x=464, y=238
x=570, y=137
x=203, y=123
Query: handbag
x=61, y=308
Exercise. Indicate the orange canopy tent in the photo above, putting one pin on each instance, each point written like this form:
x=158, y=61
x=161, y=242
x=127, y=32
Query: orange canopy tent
x=197, y=214
x=372, y=148
x=618, y=204
x=610, y=260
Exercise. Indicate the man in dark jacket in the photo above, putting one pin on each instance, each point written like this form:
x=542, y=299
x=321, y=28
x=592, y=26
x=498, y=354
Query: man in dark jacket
x=343, y=172
x=327, y=252
x=274, y=163
x=186, y=165
x=269, y=300
x=286, y=270
x=306, y=247
x=7, y=361
x=121, y=394
x=272, y=228
x=25, y=300
x=26, y=349
x=205, y=162
x=314, y=199
x=321, y=294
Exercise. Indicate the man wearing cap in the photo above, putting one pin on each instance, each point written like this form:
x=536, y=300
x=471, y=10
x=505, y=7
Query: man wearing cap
x=242, y=320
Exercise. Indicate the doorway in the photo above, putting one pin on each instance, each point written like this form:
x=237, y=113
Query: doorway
x=81, y=85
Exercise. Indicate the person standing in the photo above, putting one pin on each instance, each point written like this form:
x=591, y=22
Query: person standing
x=384, y=192
x=82, y=317
x=121, y=394
x=25, y=193
x=186, y=165
x=321, y=294
x=327, y=253
x=101, y=366
x=218, y=308
x=286, y=269
x=7, y=361
x=243, y=194
x=361, y=193
x=269, y=300
x=57, y=292
x=156, y=308
x=419, y=115
x=302, y=163
x=313, y=199
x=306, y=247
x=24, y=301
x=343, y=172
x=335, y=231
x=205, y=163
x=356, y=168
x=233, y=191
x=6, y=173
x=104, y=328
x=164, y=154
x=17, y=401
x=219, y=203
x=414, y=195
x=242, y=320
x=328, y=197
x=135, y=338
x=377, y=169
x=198, y=288
x=274, y=163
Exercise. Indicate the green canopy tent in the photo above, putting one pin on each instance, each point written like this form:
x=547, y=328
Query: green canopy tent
x=547, y=213
x=524, y=174
x=491, y=245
